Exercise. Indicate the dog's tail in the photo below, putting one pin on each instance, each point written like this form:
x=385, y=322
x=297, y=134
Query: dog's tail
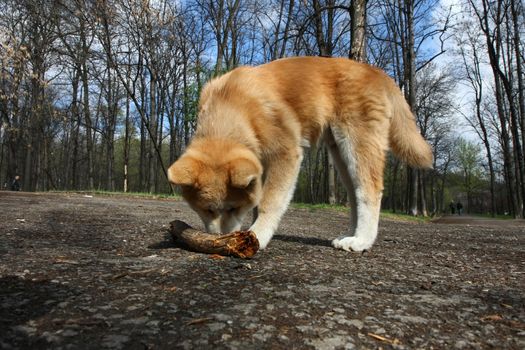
x=405, y=140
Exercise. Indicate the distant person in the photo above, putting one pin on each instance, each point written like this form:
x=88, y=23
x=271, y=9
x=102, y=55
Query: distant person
x=15, y=185
x=452, y=207
x=459, y=207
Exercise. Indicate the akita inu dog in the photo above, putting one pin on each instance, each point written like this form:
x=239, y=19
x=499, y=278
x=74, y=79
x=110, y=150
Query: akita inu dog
x=252, y=124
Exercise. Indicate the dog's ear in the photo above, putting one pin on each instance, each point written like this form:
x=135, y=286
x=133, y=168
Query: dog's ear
x=182, y=172
x=243, y=172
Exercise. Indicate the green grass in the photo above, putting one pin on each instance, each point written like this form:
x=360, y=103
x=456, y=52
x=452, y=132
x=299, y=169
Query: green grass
x=129, y=194
x=385, y=214
x=319, y=206
x=487, y=216
x=388, y=214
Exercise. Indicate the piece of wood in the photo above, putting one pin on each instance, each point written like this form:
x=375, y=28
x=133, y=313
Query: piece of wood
x=241, y=244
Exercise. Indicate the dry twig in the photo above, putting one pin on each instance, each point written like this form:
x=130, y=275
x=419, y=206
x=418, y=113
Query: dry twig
x=241, y=244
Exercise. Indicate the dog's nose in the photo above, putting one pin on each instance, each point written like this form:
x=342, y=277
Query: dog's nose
x=213, y=228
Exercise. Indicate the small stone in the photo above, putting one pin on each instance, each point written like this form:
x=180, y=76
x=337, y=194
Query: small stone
x=153, y=323
x=116, y=316
x=461, y=344
x=379, y=330
x=371, y=319
x=135, y=321
x=410, y=319
x=115, y=341
x=151, y=257
x=334, y=342
x=51, y=338
x=69, y=333
x=215, y=326
x=356, y=323
x=27, y=330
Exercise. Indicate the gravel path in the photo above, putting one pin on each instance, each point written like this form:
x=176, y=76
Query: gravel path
x=99, y=272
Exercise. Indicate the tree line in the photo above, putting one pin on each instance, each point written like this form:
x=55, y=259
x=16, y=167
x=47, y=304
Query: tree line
x=102, y=94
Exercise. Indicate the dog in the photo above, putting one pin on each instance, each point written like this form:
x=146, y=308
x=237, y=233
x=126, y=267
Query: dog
x=253, y=123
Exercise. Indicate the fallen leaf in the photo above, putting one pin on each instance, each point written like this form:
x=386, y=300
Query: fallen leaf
x=244, y=266
x=426, y=286
x=394, y=341
x=120, y=275
x=63, y=260
x=216, y=257
x=134, y=273
x=492, y=318
x=199, y=321
x=516, y=324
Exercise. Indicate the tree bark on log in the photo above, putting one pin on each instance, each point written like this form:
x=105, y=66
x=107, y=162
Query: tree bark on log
x=240, y=244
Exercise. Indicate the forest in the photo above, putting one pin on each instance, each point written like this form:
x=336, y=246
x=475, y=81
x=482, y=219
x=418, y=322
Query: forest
x=103, y=94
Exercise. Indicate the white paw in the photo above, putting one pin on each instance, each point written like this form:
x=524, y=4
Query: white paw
x=352, y=244
x=263, y=242
x=263, y=237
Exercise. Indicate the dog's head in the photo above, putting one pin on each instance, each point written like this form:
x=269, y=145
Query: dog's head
x=220, y=180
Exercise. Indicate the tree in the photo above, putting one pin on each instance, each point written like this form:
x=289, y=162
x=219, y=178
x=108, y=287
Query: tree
x=469, y=48
x=491, y=18
x=405, y=26
x=468, y=161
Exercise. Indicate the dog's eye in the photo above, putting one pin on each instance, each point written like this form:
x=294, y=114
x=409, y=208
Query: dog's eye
x=231, y=210
x=211, y=211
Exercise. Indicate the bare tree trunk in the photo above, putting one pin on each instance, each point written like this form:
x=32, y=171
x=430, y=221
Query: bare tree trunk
x=410, y=92
x=325, y=46
x=126, y=145
x=518, y=53
x=286, y=28
x=393, y=186
x=86, y=109
x=422, y=194
x=153, y=136
x=521, y=87
x=358, y=32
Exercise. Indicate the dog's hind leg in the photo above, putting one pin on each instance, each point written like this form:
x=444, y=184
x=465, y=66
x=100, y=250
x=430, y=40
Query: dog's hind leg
x=340, y=165
x=360, y=161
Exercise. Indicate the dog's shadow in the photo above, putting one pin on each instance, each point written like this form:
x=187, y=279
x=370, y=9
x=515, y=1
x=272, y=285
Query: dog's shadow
x=167, y=243
x=314, y=241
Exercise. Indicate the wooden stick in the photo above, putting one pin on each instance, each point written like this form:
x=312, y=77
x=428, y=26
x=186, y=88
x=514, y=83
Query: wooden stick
x=241, y=244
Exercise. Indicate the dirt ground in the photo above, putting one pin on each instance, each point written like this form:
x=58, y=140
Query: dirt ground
x=95, y=272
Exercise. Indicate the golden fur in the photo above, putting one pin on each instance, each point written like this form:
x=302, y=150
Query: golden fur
x=246, y=151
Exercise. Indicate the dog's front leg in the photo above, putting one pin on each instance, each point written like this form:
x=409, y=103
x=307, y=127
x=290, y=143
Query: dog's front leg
x=278, y=189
